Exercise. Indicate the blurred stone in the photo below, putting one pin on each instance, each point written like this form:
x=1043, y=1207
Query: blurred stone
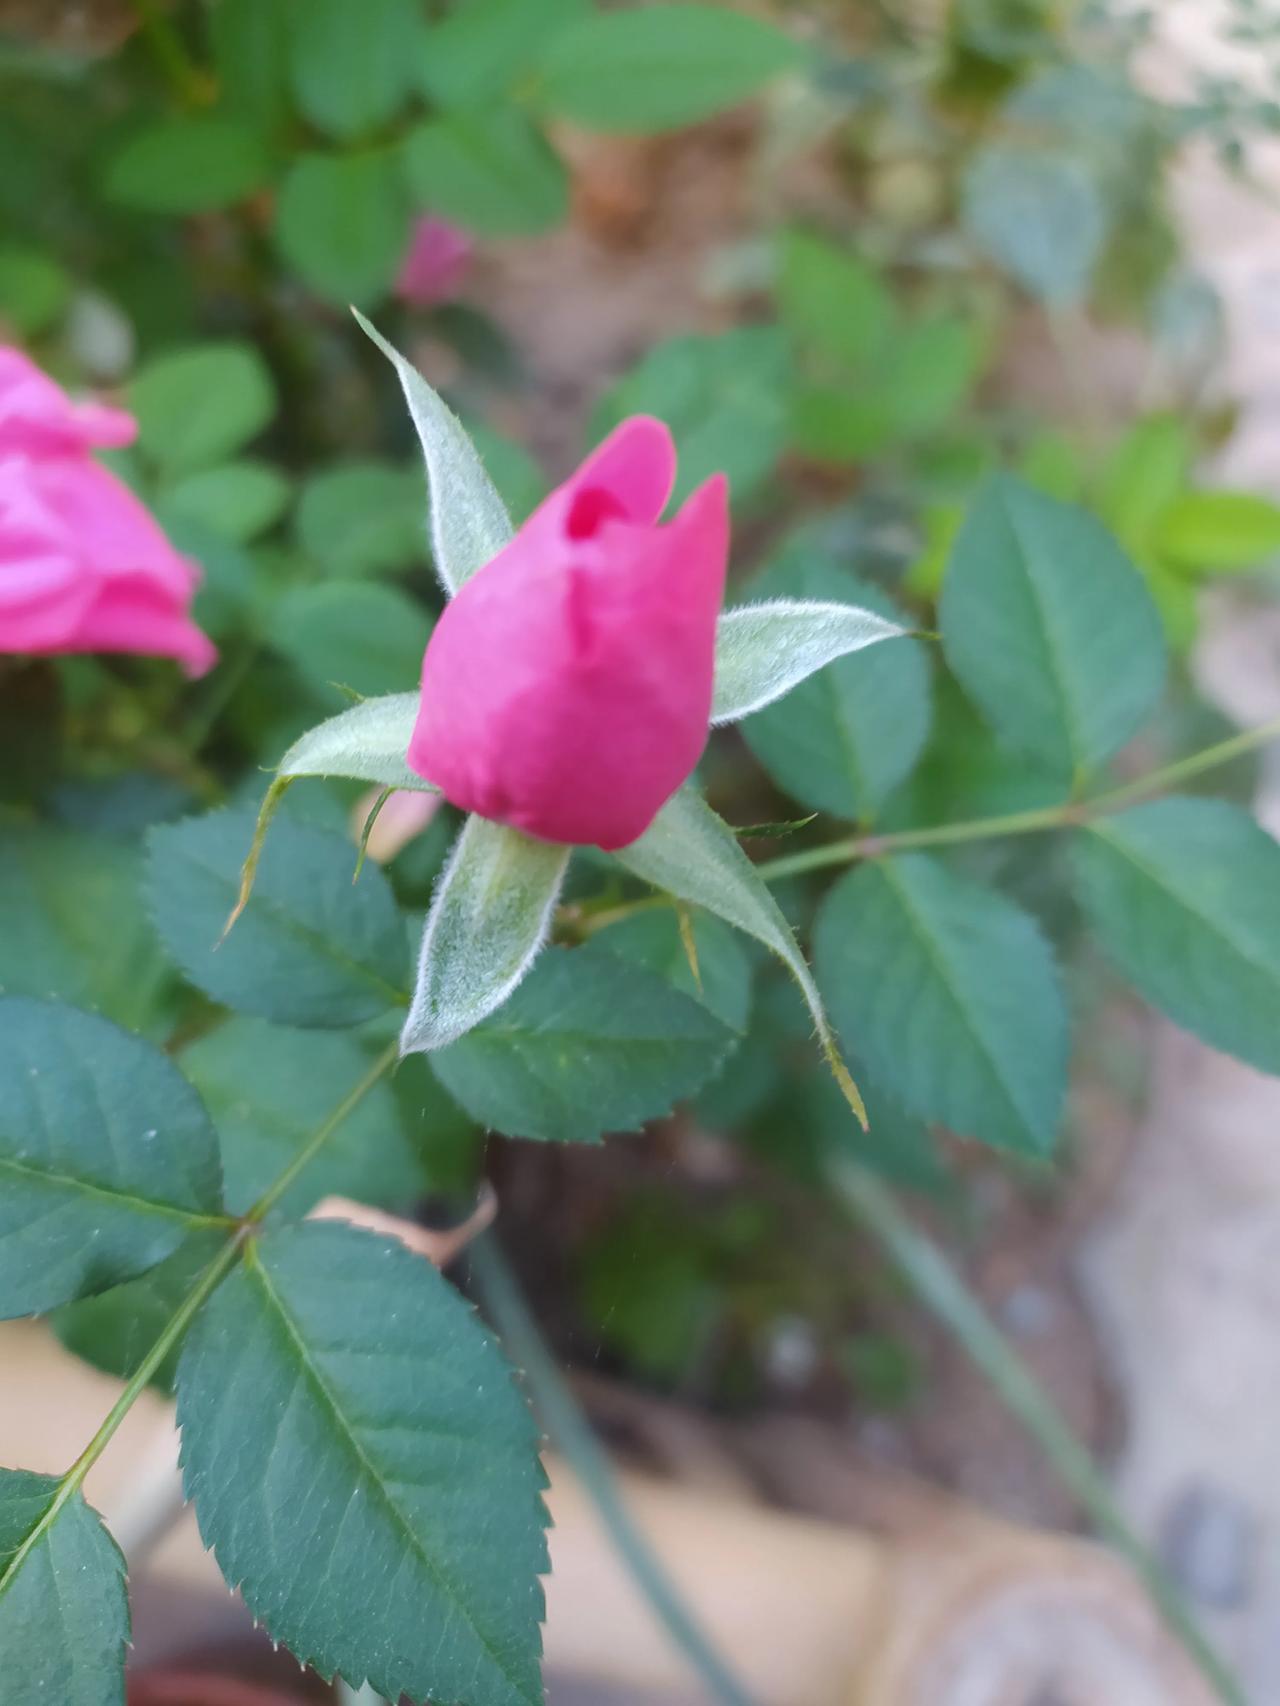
x=1209, y=1543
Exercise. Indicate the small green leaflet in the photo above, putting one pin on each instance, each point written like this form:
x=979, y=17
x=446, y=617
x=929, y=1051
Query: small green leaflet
x=844, y=737
x=107, y=1158
x=187, y=165
x=395, y=1531
x=1039, y=215
x=72, y=923
x=268, y=1087
x=342, y=222
x=1185, y=897
x=346, y=637
x=352, y=66
x=115, y=1330
x=950, y=995
x=660, y=66
x=64, y=1613
x=489, y=169
x=196, y=406
x=722, y=980
x=308, y=948
x=588, y=1044
x=1050, y=628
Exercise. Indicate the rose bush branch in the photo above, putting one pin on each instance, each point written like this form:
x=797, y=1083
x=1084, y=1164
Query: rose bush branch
x=1069, y=815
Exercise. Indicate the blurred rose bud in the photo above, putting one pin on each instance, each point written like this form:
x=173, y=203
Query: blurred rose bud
x=83, y=567
x=405, y=815
x=566, y=690
x=435, y=264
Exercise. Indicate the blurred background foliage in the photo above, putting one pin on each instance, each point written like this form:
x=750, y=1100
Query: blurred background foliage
x=874, y=252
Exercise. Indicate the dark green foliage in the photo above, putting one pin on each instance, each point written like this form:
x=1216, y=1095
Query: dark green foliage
x=395, y=1526
x=949, y=993
x=588, y=1044
x=107, y=1157
x=64, y=1617
x=309, y=949
x=1185, y=898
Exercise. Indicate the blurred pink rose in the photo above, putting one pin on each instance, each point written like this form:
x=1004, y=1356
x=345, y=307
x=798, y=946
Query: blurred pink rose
x=436, y=262
x=566, y=690
x=83, y=567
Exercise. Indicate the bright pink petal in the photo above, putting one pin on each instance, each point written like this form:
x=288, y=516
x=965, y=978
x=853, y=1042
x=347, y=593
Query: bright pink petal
x=567, y=688
x=635, y=466
x=37, y=418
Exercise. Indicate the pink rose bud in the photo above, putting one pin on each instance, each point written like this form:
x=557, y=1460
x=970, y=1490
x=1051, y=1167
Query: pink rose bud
x=83, y=567
x=566, y=690
x=435, y=264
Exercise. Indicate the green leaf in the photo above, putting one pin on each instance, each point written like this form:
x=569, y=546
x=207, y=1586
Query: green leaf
x=367, y=743
x=655, y=940
x=724, y=398
x=832, y=300
x=342, y=223
x=359, y=636
x=352, y=66
x=1038, y=215
x=268, y=1089
x=950, y=995
x=395, y=1530
x=115, y=1330
x=490, y=915
x=1145, y=472
x=310, y=948
x=238, y=500
x=491, y=171
x=469, y=523
x=197, y=406
x=1049, y=627
x=690, y=853
x=920, y=376
x=72, y=923
x=478, y=51
x=929, y=370
x=107, y=1158
x=188, y=165
x=588, y=1044
x=64, y=1613
x=364, y=518
x=968, y=772
x=661, y=66
x=250, y=43
x=846, y=736
x=34, y=289
x=767, y=647
x=1185, y=898
x=837, y=423
x=1219, y=531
